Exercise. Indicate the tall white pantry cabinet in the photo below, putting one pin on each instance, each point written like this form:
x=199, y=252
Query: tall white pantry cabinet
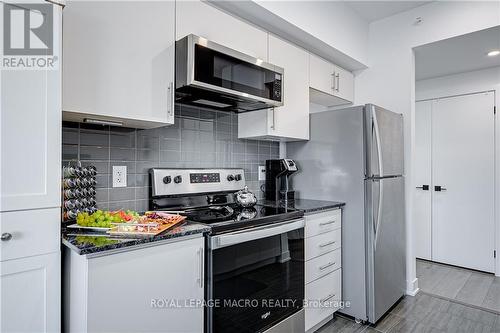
x=30, y=189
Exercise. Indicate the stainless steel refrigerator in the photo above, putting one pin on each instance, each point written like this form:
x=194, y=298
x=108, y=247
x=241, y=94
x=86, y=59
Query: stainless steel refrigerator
x=355, y=155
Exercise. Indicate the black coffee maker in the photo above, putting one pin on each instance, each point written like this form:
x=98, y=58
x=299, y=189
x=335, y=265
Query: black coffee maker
x=277, y=186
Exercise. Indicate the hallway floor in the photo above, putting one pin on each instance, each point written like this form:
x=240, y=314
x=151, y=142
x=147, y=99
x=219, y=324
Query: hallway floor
x=423, y=313
x=462, y=285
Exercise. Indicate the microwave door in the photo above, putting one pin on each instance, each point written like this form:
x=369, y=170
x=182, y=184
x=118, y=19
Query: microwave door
x=205, y=69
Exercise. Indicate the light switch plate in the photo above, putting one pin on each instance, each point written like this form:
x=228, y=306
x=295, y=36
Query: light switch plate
x=119, y=176
x=262, y=172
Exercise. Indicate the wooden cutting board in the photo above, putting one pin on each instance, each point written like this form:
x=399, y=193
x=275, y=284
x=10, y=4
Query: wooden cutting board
x=164, y=227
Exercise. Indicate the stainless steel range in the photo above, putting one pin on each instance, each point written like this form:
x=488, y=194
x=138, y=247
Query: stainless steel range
x=254, y=257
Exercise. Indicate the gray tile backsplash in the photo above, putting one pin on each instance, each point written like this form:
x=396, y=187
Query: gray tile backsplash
x=199, y=139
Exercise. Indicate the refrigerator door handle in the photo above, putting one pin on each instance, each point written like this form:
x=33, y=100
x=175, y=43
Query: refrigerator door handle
x=377, y=143
x=379, y=211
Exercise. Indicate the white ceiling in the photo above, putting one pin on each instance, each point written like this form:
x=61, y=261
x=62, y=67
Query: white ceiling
x=376, y=10
x=458, y=54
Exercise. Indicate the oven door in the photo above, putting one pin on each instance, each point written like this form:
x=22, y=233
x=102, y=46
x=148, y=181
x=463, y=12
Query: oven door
x=256, y=278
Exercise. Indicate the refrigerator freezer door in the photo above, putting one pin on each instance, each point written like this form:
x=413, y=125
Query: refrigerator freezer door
x=385, y=244
x=384, y=142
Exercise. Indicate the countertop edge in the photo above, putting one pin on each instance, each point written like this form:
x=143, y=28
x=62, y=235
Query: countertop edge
x=134, y=243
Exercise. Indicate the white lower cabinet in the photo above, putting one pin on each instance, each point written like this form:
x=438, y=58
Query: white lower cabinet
x=324, y=294
x=151, y=289
x=30, y=290
x=323, y=290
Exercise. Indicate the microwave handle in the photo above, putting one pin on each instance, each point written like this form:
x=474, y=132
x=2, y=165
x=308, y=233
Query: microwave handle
x=238, y=237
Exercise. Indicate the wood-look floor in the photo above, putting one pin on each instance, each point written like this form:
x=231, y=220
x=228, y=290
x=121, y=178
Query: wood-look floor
x=463, y=285
x=423, y=313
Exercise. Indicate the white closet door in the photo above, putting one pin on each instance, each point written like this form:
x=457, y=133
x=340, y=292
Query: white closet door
x=423, y=170
x=463, y=164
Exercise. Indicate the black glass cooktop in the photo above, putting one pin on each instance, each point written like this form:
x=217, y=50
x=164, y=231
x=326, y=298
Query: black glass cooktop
x=233, y=217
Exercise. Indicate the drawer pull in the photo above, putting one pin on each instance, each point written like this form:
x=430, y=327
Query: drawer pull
x=6, y=236
x=327, y=244
x=327, y=298
x=327, y=223
x=330, y=264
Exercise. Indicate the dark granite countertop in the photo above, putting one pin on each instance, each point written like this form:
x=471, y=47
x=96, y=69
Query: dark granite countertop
x=84, y=242
x=306, y=205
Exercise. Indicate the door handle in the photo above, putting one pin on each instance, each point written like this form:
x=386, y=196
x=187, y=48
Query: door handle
x=330, y=264
x=327, y=244
x=170, y=98
x=439, y=188
x=6, y=236
x=423, y=187
x=327, y=298
x=202, y=275
x=327, y=223
x=273, y=125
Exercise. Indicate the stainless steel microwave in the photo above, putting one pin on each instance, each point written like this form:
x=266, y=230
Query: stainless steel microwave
x=210, y=75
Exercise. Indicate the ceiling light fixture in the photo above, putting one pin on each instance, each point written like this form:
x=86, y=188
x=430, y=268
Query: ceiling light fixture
x=493, y=53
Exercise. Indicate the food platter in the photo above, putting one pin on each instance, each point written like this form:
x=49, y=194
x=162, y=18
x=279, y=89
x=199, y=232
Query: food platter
x=150, y=224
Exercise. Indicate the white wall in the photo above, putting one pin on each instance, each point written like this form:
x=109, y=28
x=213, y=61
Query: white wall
x=331, y=21
x=459, y=84
x=390, y=79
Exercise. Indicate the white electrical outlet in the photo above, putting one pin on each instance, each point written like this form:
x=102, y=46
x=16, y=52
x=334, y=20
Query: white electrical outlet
x=262, y=172
x=119, y=176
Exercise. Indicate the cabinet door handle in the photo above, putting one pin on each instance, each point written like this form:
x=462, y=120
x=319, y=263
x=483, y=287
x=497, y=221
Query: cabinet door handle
x=327, y=244
x=170, y=98
x=337, y=86
x=6, y=236
x=423, y=187
x=330, y=264
x=327, y=223
x=439, y=188
x=327, y=298
x=333, y=81
x=273, y=125
x=200, y=257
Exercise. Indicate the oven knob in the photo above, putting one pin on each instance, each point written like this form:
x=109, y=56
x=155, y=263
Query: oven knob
x=167, y=179
x=177, y=179
x=230, y=178
x=237, y=177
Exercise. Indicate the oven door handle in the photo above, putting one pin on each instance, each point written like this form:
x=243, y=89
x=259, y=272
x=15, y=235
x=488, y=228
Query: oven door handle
x=238, y=237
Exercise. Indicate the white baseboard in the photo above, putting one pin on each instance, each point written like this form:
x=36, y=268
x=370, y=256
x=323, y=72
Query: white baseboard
x=412, y=287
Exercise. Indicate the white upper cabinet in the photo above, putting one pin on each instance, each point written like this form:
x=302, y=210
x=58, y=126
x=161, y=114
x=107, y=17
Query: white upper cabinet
x=30, y=131
x=289, y=122
x=330, y=85
x=119, y=62
x=201, y=19
x=344, y=84
x=321, y=74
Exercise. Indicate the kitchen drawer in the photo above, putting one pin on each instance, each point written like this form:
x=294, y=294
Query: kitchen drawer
x=323, y=243
x=327, y=289
x=322, y=265
x=323, y=222
x=34, y=232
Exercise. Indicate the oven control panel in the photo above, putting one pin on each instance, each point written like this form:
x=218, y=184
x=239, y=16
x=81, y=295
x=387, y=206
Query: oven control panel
x=191, y=181
x=204, y=177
